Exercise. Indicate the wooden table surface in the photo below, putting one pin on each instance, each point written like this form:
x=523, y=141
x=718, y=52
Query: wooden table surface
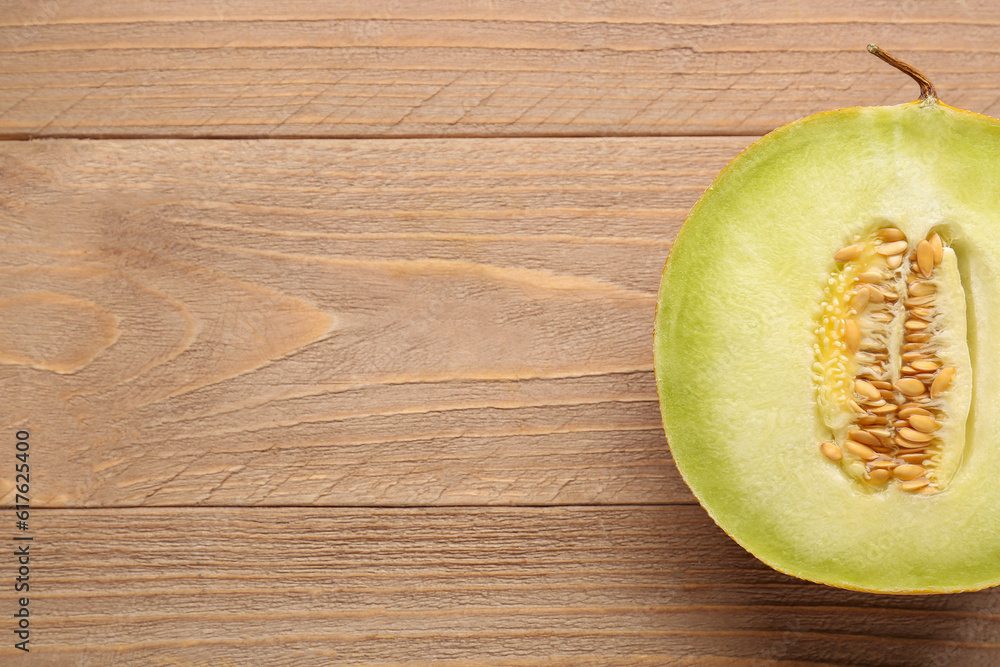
x=329, y=328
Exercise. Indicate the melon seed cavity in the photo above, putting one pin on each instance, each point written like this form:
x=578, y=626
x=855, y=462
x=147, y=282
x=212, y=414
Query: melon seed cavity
x=887, y=356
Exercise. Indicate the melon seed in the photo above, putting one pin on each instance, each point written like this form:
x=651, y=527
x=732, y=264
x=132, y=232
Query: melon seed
x=914, y=435
x=924, y=423
x=925, y=258
x=908, y=411
x=875, y=295
x=851, y=403
x=914, y=485
x=872, y=420
x=852, y=335
x=910, y=386
x=894, y=248
x=925, y=366
x=903, y=443
x=938, y=246
x=878, y=476
x=860, y=300
x=866, y=389
x=890, y=234
x=942, y=381
x=864, y=438
x=920, y=289
x=861, y=451
x=871, y=277
x=907, y=471
x=851, y=253
x=831, y=451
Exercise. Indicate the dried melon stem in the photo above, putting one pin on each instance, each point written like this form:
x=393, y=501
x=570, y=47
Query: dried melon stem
x=890, y=350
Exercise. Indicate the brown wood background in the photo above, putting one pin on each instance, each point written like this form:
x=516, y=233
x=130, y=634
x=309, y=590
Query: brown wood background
x=331, y=325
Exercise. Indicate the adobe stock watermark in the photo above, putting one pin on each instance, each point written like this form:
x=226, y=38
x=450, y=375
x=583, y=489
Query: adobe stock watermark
x=22, y=541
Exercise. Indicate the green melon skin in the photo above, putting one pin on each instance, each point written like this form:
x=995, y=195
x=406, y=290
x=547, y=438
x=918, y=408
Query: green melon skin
x=735, y=328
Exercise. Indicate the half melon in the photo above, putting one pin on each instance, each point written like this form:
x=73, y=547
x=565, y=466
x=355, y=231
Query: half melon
x=826, y=352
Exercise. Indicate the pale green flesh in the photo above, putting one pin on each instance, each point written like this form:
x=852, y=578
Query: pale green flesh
x=734, y=336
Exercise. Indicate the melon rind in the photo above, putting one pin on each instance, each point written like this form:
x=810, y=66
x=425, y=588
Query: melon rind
x=733, y=345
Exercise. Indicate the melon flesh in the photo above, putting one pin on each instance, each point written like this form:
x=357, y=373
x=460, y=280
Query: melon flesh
x=735, y=333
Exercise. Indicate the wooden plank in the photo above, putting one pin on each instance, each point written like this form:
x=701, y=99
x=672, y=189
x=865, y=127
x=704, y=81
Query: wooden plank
x=447, y=68
x=311, y=322
x=511, y=586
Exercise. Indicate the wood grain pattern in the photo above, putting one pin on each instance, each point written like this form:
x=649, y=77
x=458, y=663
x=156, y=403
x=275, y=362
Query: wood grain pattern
x=299, y=586
x=447, y=68
x=386, y=400
x=341, y=323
